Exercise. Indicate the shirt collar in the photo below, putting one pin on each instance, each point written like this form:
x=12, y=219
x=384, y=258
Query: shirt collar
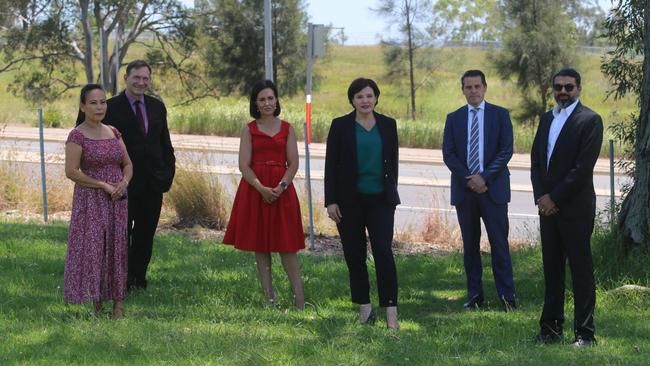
x=567, y=111
x=132, y=99
x=480, y=106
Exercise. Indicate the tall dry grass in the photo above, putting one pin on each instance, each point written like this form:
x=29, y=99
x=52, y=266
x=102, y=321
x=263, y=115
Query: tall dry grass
x=22, y=192
x=322, y=224
x=198, y=199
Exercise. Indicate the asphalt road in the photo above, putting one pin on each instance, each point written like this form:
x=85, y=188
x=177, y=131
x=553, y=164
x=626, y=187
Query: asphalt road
x=423, y=181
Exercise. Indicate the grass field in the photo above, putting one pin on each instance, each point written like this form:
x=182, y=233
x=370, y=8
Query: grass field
x=204, y=307
x=440, y=95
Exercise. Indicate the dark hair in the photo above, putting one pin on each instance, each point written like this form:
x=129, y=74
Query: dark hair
x=257, y=88
x=359, y=84
x=87, y=89
x=472, y=73
x=136, y=64
x=568, y=72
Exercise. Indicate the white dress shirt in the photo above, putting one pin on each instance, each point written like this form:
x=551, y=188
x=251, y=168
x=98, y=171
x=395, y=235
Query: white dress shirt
x=470, y=116
x=560, y=117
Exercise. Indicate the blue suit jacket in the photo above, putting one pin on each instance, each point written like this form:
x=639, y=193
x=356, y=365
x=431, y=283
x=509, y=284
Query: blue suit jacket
x=497, y=151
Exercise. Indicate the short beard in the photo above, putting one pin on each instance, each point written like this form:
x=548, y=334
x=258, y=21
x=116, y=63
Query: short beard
x=565, y=103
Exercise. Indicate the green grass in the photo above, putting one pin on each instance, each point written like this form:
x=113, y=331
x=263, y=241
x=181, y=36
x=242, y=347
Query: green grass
x=204, y=307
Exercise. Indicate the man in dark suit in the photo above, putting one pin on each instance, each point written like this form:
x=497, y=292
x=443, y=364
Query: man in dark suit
x=477, y=146
x=142, y=121
x=564, y=153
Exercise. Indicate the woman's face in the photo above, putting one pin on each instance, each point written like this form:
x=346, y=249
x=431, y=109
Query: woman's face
x=95, y=106
x=365, y=100
x=266, y=102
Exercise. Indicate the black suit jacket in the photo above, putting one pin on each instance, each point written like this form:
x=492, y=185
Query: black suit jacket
x=152, y=155
x=341, y=160
x=570, y=172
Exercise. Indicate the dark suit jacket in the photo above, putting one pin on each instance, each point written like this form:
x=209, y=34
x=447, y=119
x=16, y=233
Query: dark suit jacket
x=341, y=160
x=152, y=155
x=497, y=151
x=570, y=177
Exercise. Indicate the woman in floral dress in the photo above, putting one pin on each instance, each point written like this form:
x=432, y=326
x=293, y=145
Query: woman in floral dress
x=97, y=161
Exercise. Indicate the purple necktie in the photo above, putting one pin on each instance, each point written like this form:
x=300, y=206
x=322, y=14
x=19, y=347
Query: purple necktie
x=140, y=117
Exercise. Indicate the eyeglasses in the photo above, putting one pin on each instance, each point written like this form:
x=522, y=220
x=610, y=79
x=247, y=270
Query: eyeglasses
x=567, y=87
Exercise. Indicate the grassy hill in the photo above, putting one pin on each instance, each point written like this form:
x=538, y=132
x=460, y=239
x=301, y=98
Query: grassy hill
x=436, y=97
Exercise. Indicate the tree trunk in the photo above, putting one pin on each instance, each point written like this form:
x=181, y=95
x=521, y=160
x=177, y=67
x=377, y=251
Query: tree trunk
x=88, y=41
x=634, y=218
x=409, y=30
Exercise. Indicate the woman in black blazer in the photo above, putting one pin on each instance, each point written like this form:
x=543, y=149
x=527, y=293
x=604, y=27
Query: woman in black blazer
x=361, y=166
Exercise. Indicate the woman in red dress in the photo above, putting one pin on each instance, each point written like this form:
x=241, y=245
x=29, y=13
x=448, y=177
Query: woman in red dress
x=265, y=217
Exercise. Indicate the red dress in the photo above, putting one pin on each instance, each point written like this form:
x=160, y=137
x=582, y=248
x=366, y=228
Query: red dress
x=258, y=226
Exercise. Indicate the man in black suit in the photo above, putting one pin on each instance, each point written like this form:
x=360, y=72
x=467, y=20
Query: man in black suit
x=142, y=120
x=477, y=146
x=564, y=153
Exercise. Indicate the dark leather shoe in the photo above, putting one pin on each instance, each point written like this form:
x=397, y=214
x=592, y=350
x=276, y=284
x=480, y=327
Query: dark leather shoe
x=583, y=342
x=474, y=302
x=547, y=338
x=508, y=305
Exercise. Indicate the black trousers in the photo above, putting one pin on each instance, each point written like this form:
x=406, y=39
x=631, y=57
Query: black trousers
x=373, y=213
x=144, y=212
x=564, y=238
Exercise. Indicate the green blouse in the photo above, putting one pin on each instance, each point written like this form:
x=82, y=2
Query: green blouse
x=370, y=170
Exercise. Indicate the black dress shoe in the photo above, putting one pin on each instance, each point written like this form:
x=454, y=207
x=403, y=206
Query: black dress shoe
x=583, y=342
x=548, y=338
x=508, y=305
x=474, y=302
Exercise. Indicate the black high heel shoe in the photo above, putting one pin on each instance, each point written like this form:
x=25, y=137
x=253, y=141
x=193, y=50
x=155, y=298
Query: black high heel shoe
x=370, y=320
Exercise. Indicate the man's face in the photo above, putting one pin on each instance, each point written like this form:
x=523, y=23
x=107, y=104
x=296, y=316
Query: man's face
x=474, y=90
x=565, y=90
x=137, y=81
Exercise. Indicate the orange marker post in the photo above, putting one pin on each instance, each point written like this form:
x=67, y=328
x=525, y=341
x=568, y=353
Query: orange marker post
x=308, y=117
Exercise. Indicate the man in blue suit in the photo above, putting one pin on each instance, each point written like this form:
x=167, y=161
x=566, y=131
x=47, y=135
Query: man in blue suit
x=477, y=146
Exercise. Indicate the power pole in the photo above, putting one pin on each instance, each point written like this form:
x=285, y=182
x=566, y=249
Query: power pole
x=268, y=41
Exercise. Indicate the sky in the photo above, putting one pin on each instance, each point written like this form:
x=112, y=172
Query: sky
x=360, y=25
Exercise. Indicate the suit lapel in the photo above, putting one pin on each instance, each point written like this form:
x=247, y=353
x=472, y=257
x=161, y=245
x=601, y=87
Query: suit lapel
x=381, y=127
x=462, y=129
x=351, y=137
x=488, y=125
x=545, y=129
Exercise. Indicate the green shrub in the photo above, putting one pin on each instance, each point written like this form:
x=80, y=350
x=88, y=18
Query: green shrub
x=52, y=117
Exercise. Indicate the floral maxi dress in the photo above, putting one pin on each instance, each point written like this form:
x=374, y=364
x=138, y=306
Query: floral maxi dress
x=96, y=262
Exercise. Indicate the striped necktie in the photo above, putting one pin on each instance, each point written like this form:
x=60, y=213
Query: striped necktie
x=473, y=161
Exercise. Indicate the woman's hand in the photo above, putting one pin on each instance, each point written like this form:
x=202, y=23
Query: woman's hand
x=109, y=188
x=334, y=213
x=120, y=190
x=269, y=195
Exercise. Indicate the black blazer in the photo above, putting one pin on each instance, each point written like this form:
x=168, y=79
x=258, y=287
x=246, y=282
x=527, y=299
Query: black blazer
x=569, y=177
x=341, y=160
x=152, y=155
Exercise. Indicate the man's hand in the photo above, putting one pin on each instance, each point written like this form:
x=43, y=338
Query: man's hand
x=476, y=183
x=546, y=205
